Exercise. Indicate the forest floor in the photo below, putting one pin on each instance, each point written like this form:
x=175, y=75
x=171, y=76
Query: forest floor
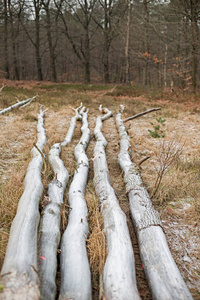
x=177, y=198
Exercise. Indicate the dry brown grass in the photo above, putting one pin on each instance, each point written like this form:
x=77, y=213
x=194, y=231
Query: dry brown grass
x=96, y=243
x=10, y=193
x=177, y=198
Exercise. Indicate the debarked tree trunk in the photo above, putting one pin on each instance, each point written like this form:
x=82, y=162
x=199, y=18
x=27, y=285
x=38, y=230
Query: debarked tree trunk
x=19, y=276
x=75, y=270
x=119, y=272
x=164, y=278
x=50, y=221
x=17, y=105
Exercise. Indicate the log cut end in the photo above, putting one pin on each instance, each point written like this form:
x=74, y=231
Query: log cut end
x=17, y=287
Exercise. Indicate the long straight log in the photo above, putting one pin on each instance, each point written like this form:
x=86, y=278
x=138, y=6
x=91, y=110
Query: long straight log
x=119, y=272
x=164, y=278
x=17, y=105
x=19, y=273
x=50, y=220
x=75, y=270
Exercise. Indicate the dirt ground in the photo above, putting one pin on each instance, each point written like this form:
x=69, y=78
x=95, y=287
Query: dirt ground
x=177, y=198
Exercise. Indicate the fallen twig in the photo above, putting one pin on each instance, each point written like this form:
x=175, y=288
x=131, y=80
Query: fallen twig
x=43, y=158
x=29, y=101
x=141, y=114
x=143, y=160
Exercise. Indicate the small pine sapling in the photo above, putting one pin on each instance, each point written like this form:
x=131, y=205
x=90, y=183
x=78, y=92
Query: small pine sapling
x=157, y=132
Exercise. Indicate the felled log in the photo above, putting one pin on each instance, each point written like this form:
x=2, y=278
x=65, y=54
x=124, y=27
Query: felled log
x=50, y=221
x=72, y=127
x=119, y=272
x=164, y=278
x=75, y=270
x=17, y=105
x=19, y=276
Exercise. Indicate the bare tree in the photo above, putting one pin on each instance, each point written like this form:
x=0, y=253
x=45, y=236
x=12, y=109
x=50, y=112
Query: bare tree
x=51, y=17
x=14, y=11
x=6, y=61
x=127, y=54
x=109, y=22
x=81, y=13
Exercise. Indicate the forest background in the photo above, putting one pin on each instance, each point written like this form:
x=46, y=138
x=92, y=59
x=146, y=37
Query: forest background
x=148, y=42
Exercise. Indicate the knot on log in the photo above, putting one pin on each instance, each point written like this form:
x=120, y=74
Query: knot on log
x=57, y=183
x=150, y=218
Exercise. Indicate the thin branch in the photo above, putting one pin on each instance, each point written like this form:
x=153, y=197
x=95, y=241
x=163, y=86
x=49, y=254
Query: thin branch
x=141, y=114
x=43, y=158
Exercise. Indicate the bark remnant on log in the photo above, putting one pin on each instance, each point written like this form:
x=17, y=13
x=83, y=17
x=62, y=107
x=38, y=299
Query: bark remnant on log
x=75, y=270
x=19, y=271
x=50, y=221
x=119, y=272
x=164, y=278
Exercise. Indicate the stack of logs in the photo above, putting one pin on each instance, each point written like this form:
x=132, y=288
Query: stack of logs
x=30, y=265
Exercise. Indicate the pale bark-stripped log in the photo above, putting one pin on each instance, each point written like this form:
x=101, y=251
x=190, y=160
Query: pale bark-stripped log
x=50, y=220
x=164, y=278
x=119, y=272
x=19, y=272
x=75, y=270
x=72, y=127
x=17, y=105
x=142, y=114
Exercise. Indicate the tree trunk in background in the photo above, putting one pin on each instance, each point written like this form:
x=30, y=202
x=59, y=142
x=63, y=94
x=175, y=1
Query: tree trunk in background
x=107, y=29
x=46, y=6
x=165, y=66
x=146, y=42
x=106, y=59
x=127, y=58
x=87, y=44
x=37, y=39
x=194, y=35
x=13, y=36
x=51, y=48
x=6, y=61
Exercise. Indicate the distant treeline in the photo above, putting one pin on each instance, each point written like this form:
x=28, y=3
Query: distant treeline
x=151, y=42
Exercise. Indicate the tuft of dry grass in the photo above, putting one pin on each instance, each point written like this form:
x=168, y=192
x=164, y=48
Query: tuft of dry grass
x=10, y=193
x=96, y=242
